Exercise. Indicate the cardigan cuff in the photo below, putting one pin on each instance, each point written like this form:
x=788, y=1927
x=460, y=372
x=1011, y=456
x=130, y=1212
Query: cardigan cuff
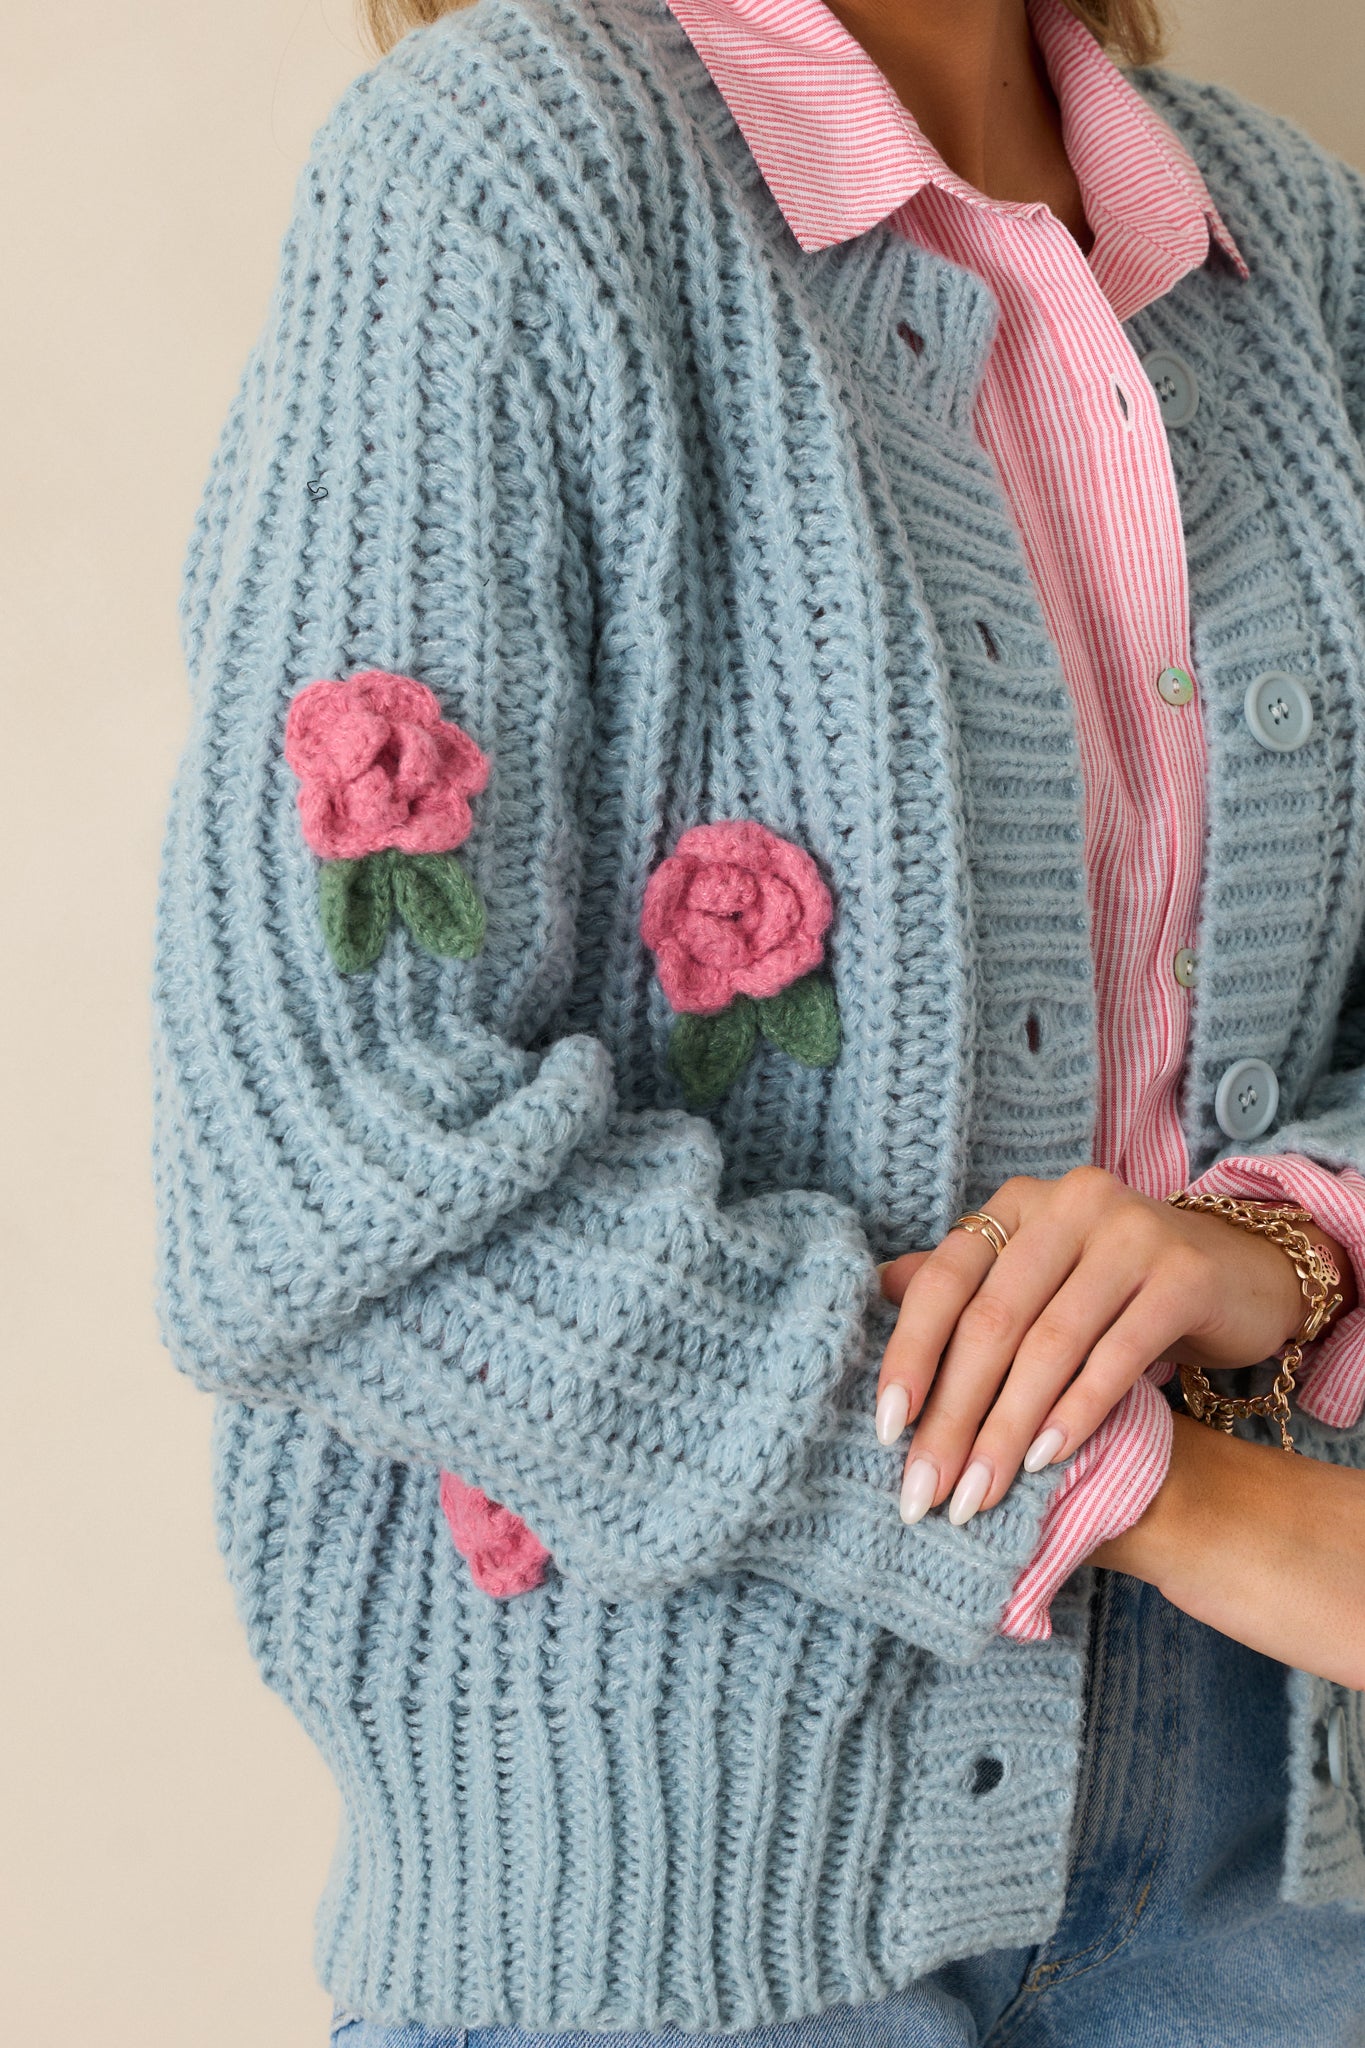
x=839, y=1538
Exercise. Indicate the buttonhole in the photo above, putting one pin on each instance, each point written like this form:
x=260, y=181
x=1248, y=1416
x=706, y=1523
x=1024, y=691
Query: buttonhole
x=1033, y=1032
x=988, y=640
x=987, y=1772
x=1321, y=1768
x=914, y=342
x=1121, y=399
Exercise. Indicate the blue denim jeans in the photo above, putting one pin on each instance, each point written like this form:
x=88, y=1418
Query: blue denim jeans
x=1172, y=1935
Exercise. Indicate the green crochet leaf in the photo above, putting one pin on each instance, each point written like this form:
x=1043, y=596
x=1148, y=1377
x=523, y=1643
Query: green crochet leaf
x=803, y=1020
x=439, y=904
x=355, y=899
x=707, y=1053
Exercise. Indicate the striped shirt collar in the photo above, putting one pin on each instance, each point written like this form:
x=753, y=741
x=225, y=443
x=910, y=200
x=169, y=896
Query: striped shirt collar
x=839, y=152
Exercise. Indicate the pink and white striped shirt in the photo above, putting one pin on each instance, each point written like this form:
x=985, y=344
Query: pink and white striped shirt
x=1076, y=433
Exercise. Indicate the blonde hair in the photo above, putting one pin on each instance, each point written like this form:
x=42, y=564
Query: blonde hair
x=1132, y=29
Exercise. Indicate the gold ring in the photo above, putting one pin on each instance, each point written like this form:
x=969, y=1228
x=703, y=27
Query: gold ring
x=980, y=1224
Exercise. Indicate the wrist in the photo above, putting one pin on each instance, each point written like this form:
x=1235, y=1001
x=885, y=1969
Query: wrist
x=1280, y=1288
x=1265, y=1548
x=1327, y=1244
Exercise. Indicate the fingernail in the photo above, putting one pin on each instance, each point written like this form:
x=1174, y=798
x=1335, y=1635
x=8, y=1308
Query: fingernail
x=971, y=1491
x=1044, y=1449
x=918, y=1488
x=892, y=1410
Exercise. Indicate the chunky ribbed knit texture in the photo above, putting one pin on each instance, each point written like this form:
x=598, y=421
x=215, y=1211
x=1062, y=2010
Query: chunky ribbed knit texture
x=679, y=530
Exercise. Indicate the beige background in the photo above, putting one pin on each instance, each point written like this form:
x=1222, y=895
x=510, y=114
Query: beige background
x=166, y=1826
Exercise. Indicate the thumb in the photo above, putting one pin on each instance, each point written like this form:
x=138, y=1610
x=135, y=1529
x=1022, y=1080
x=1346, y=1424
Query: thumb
x=895, y=1276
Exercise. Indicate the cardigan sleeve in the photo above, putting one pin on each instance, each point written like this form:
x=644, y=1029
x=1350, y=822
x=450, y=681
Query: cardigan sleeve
x=1343, y=277
x=383, y=1200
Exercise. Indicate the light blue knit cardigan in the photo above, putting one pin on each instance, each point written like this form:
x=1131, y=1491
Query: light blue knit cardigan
x=551, y=412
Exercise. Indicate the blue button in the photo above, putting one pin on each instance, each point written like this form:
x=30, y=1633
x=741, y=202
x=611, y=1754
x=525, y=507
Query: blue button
x=1175, y=385
x=1279, y=711
x=1247, y=1099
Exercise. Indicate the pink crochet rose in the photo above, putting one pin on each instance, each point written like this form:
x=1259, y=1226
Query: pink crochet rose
x=734, y=910
x=380, y=767
x=502, y=1554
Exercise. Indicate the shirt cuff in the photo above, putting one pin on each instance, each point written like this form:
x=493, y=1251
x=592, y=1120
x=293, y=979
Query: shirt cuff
x=1109, y=1484
x=1332, y=1388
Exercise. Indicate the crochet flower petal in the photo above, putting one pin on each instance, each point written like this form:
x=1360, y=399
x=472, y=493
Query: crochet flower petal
x=413, y=762
x=741, y=842
x=462, y=763
x=795, y=867
x=324, y=812
x=351, y=744
x=504, y=1557
x=434, y=824
x=692, y=985
x=714, y=942
x=665, y=894
x=400, y=699
x=722, y=890
x=778, y=915
x=309, y=728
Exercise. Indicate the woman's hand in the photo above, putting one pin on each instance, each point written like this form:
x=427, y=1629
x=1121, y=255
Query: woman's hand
x=1018, y=1358
x=1268, y=1549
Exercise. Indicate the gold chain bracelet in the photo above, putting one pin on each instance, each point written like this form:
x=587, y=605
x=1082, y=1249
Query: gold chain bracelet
x=1318, y=1277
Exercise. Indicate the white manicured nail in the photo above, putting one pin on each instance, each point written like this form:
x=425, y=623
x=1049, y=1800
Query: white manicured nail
x=892, y=1410
x=971, y=1491
x=1044, y=1449
x=918, y=1488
